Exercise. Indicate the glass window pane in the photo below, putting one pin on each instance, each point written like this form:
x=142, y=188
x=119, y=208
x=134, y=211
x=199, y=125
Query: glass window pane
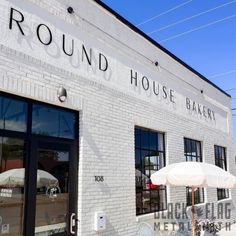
x=146, y=201
x=161, y=160
x=53, y=122
x=193, y=148
x=160, y=142
x=144, y=139
x=151, y=153
x=219, y=151
x=155, y=201
x=137, y=157
x=13, y=114
x=137, y=138
x=217, y=161
x=222, y=153
x=227, y=193
x=145, y=157
x=223, y=166
x=153, y=160
x=216, y=154
x=52, y=191
x=139, y=202
x=187, y=147
x=139, y=178
x=198, y=149
x=220, y=160
x=188, y=158
x=219, y=194
x=147, y=172
x=153, y=140
x=12, y=184
x=162, y=199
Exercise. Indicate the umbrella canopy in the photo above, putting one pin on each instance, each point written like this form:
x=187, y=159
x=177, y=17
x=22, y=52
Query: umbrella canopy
x=195, y=174
x=16, y=177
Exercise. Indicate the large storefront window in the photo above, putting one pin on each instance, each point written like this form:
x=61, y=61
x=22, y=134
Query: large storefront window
x=193, y=152
x=220, y=160
x=12, y=182
x=149, y=158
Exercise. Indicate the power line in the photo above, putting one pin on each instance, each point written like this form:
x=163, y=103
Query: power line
x=231, y=89
x=189, y=18
x=198, y=28
x=163, y=13
x=221, y=74
x=234, y=109
x=132, y=49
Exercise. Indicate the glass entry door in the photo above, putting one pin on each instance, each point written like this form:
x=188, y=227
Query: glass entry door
x=52, y=188
x=52, y=199
x=38, y=168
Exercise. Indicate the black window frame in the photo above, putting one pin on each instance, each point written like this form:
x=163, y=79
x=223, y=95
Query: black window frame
x=141, y=190
x=199, y=196
x=221, y=162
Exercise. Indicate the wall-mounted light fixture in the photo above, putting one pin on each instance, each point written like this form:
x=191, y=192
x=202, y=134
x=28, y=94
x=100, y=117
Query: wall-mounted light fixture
x=202, y=91
x=70, y=10
x=156, y=63
x=62, y=94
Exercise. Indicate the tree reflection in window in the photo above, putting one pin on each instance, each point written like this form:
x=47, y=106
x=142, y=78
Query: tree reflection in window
x=12, y=193
x=53, y=122
x=13, y=114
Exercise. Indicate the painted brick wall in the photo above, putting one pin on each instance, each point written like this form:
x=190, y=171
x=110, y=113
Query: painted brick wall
x=108, y=117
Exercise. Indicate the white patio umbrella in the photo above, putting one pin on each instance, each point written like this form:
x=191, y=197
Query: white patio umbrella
x=16, y=177
x=194, y=174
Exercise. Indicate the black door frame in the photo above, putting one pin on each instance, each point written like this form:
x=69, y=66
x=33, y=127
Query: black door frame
x=31, y=179
x=31, y=144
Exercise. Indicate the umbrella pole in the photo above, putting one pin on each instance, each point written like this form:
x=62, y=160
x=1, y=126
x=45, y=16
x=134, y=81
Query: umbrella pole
x=193, y=212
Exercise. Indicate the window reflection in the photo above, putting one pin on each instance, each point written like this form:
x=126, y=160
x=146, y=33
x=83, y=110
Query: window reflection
x=13, y=114
x=192, y=152
x=221, y=161
x=52, y=196
x=149, y=158
x=53, y=122
x=12, y=185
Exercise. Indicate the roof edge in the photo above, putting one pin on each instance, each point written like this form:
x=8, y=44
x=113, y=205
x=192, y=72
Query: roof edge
x=137, y=30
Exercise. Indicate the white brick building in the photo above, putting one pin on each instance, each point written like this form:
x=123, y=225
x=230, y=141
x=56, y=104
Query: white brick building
x=117, y=81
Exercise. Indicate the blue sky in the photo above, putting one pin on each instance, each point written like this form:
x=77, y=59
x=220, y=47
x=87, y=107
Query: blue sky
x=207, y=41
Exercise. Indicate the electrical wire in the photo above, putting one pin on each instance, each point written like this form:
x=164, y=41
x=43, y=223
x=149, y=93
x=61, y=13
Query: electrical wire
x=189, y=18
x=231, y=89
x=163, y=13
x=132, y=49
x=198, y=28
x=221, y=74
